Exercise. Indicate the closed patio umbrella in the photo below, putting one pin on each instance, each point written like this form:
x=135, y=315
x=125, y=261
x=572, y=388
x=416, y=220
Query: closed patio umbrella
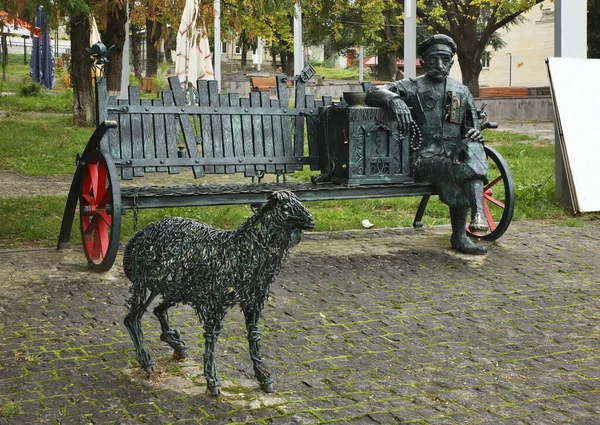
x=42, y=60
x=193, y=51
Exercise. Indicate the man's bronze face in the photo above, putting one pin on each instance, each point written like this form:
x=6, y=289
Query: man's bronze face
x=437, y=65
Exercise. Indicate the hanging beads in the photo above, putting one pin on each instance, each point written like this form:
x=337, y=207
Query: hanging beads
x=415, y=136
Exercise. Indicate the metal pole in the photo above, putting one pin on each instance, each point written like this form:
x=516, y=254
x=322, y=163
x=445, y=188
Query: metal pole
x=217, y=37
x=259, y=52
x=410, y=38
x=361, y=56
x=298, y=58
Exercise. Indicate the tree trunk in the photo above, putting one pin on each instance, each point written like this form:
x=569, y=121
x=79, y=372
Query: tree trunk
x=152, y=37
x=386, y=66
x=136, y=47
x=329, y=56
x=170, y=44
x=283, y=59
x=114, y=35
x=470, y=75
x=83, y=102
x=469, y=51
x=287, y=64
x=244, y=59
x=386, y=61
x=274, y=61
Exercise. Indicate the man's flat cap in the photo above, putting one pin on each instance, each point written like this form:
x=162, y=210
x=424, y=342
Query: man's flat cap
x=438, y=43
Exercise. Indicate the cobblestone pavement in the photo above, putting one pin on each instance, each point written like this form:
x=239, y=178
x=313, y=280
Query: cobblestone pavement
x=387, y=327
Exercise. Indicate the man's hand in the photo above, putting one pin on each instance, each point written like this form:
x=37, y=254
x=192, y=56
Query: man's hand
x=475, y=134
x=402, y=113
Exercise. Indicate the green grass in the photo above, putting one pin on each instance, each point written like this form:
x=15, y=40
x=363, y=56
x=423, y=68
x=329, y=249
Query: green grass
x=494, y=137
x=45, y=102
x=9, y=410
x=41, y=144
x=341, y=74
x=16, y=72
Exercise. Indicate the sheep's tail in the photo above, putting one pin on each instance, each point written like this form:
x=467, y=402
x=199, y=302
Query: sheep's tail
x=128, y=258
x=138, y=290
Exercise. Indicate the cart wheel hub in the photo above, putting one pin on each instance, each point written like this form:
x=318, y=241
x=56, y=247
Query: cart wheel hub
x=88, y=210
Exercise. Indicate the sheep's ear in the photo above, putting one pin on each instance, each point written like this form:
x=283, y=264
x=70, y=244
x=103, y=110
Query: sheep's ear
x=273, y=197
x=278, y=196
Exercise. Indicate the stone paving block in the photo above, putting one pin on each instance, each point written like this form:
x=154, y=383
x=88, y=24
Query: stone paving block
x=114, y=413
x=300, y=418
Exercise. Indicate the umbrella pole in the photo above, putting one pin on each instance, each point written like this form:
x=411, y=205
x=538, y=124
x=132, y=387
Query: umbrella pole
x=24, y=50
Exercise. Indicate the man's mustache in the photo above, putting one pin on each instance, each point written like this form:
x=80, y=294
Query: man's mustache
x=439, y=73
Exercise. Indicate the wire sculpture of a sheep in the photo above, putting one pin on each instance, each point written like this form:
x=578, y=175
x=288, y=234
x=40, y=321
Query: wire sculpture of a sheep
x=189, y=262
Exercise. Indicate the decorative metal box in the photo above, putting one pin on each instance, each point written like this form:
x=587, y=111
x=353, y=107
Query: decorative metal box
x=364, y=146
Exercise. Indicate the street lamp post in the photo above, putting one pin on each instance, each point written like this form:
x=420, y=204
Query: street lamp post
x=509, y=69
x=25, y=37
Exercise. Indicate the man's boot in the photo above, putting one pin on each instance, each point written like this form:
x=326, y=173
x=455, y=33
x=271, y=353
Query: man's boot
x=478, y=222
x=459, y=240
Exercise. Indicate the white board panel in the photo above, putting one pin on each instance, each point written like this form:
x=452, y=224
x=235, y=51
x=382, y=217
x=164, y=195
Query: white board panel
x=575, y=85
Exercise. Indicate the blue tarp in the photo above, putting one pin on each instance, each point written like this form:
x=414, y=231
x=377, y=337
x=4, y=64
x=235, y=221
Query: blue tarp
x=42, y=60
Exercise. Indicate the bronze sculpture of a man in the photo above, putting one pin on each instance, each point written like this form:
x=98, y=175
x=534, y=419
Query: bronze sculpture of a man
x=451, y=153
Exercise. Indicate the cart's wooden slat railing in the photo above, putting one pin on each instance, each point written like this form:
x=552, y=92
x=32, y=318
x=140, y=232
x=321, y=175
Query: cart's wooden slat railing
x=221, y=134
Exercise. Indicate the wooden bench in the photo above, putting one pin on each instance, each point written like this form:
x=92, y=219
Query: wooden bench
x=357, y=150
x=503, y=92
x=266, y=84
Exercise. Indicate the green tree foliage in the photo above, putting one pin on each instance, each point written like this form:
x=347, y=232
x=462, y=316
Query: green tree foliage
x=342, y=23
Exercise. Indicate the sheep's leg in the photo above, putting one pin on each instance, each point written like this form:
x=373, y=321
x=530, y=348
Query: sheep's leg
x=133, y=325
x=264, y=377
x=170, y=336
x=212, y=329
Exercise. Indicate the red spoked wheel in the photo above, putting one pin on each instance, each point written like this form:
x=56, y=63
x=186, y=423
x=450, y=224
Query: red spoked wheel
x=100, y=210
x=499, y=197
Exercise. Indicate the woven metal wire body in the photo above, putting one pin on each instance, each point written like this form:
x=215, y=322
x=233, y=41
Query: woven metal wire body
x=186, y=261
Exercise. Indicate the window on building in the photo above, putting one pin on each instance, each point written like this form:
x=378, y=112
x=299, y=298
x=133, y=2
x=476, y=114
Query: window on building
x=224, y=47
x=485, y=60
x=238, y=49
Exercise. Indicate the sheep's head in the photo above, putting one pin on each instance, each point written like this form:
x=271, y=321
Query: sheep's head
x=288, y=213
